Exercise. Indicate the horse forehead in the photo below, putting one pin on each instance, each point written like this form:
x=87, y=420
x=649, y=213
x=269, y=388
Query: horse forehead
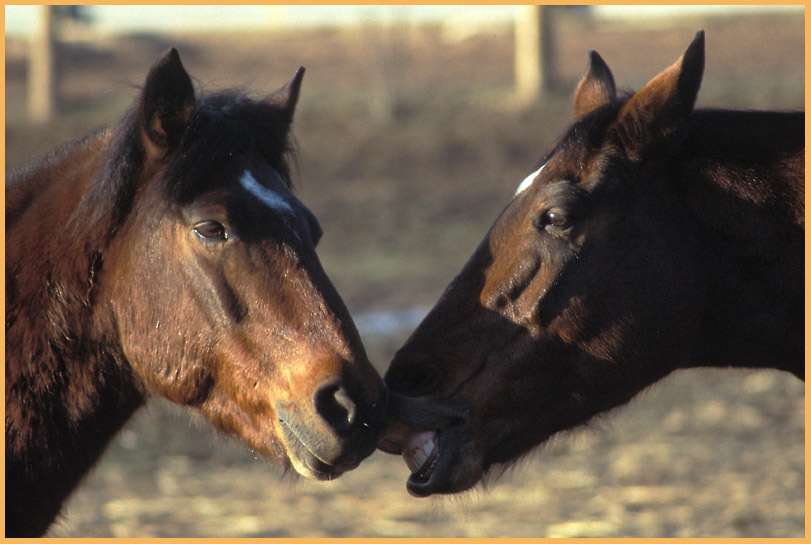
x=528, y=181
x=271, y=198
x=569, y=163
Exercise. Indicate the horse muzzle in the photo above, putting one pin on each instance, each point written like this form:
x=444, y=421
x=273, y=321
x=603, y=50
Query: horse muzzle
x=341, y=431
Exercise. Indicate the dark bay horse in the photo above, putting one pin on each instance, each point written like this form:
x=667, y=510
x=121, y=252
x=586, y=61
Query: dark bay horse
x=168, y=256
x=652, y=237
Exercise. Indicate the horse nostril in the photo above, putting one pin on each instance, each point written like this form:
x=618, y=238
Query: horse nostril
x=343, y=400
x=334, y=404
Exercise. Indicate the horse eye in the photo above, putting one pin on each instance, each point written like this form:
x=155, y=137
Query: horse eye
x=556, y=218
x=211, y=231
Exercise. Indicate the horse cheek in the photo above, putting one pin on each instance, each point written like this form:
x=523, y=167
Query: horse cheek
x=173, y=367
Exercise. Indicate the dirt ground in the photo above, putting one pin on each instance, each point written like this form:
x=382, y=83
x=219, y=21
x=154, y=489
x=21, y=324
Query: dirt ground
x=409, y=146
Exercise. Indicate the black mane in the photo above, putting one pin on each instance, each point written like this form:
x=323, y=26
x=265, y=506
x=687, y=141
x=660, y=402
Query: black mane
x=227, y=124
x=224, y=125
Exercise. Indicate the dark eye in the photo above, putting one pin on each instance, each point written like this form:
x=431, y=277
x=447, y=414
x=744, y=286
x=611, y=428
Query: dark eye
x=553, y=218
x=211, y=231
x=557, y=217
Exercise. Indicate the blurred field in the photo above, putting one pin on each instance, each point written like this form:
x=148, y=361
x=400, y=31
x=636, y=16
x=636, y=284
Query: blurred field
x=404, y=198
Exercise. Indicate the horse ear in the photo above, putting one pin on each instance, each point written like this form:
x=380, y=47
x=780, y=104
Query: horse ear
x=596, y=88
x=286, y=98
x=660, y=109
x=167, y=101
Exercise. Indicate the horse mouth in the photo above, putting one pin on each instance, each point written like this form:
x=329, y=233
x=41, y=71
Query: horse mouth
x=421, y=455
x=438, y=460
x=303, y=455
x=435, y=438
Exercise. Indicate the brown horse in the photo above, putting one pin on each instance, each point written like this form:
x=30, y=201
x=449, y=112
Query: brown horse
x=167, y=255
x=652, y=237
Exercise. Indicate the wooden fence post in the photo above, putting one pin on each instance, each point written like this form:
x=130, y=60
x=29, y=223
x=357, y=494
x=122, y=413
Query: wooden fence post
x=42, y=99
x=533, y=53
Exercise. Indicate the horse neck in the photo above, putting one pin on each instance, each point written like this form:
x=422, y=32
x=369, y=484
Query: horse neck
x=68, y=388
x=744, y=183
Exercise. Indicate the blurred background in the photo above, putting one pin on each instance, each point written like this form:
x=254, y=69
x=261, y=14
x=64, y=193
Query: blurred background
x=414, y=127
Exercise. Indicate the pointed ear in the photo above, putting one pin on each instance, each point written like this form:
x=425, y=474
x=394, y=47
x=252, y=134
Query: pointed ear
x=658, y=111
x=167, y=102
x=287, y=97
x=596, y=88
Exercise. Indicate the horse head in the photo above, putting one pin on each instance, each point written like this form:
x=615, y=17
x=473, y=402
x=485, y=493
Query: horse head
x=213, y=282
x=600, y=277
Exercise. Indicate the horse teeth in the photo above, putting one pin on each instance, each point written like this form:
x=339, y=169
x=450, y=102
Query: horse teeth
x=412, y=463
x=415, y=459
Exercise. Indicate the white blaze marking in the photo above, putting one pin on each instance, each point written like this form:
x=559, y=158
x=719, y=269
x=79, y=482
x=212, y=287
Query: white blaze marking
x=528, y=181
x=270, y=198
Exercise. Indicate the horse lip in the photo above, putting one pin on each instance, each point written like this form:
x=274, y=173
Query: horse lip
x=392, y=440
x=425, y=414
x=347, y=452
x=301, y=454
